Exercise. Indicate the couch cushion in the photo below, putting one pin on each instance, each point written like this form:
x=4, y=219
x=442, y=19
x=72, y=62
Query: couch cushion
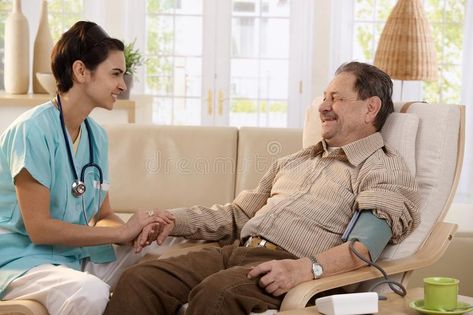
x=171, y=166
x=258, y=148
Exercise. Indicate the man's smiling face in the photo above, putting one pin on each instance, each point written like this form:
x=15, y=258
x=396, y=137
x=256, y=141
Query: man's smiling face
x=345, y=118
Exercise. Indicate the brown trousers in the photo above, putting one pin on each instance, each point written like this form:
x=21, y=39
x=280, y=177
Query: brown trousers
x=212, y=281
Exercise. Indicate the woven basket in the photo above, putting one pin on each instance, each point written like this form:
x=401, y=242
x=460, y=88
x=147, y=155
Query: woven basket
x=406, y=49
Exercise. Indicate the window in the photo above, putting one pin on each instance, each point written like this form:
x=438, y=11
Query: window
x=174, y=60
x=369, y=19
x=259, y=63
x=446, y=19
x=227, y=62
x=62, y=14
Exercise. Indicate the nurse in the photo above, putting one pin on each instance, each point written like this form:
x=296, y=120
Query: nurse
x=55, y=238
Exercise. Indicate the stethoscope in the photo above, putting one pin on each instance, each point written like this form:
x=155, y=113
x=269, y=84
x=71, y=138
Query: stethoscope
x=78, y=186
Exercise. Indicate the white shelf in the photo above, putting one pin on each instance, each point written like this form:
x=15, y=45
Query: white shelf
x=136, y=110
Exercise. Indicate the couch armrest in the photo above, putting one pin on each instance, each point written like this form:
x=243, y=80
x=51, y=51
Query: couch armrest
x=434, y=247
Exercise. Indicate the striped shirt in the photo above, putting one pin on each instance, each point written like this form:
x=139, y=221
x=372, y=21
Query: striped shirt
x=305, y=200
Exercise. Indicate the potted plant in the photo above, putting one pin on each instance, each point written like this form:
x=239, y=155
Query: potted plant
x=133, y=59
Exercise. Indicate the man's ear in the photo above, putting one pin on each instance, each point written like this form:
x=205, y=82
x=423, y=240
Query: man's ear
x=374, y=106
x=79, y=71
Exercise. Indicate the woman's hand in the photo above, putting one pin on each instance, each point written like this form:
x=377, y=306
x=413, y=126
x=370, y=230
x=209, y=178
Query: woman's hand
x=151, y=232
x=139, y=220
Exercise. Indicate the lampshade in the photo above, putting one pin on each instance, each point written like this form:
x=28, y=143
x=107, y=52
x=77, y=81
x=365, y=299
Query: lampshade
x=406, y=49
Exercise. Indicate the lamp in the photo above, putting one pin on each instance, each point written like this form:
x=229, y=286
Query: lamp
x=406, y=49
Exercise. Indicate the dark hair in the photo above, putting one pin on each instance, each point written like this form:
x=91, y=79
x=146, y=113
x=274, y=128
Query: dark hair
x=371, y=81
x=84, y=41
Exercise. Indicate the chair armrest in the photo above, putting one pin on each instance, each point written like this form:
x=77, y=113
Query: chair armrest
x=22, y=307
x=434, y=247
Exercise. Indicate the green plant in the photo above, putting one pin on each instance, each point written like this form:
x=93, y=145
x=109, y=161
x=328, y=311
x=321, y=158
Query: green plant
x=133, y=58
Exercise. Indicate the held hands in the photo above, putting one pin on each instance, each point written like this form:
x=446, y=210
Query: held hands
x=155, y=231
x=140, y=220
x=279, y=276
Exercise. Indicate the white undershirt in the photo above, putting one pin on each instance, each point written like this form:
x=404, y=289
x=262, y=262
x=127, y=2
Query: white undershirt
x=75, y=144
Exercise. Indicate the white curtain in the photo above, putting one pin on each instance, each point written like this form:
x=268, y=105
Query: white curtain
x=465, y=189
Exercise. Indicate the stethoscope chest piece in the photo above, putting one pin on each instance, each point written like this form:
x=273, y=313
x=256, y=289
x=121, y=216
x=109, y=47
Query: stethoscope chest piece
x=78, y=188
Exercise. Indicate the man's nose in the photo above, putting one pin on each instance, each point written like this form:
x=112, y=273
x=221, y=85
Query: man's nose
x=325, y=106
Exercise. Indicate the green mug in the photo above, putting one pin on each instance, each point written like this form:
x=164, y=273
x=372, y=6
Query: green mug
x=440, y=293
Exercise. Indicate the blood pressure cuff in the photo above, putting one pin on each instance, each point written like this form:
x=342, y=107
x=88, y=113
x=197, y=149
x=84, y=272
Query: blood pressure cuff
x=373, y=232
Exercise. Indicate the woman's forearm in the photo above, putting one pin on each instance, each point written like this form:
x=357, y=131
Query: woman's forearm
x=52, y=231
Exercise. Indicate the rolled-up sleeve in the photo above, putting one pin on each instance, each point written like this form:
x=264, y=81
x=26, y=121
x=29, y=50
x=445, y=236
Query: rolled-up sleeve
x=390, y=190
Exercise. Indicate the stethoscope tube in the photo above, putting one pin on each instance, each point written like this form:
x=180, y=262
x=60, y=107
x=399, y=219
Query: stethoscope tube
x=78, y=186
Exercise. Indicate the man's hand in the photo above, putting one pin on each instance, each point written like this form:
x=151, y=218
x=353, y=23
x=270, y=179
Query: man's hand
x=279, y=276
x=164, y=232
x=133, y=227
x=146, y=237
x=155, y=231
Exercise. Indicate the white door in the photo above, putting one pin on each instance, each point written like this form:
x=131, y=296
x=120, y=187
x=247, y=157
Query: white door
x=228, y=62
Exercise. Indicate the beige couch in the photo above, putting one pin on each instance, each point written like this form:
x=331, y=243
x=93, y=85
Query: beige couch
x=169, y=166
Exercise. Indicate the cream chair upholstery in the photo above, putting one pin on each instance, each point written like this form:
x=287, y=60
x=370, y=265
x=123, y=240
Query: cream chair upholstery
x=156, y=166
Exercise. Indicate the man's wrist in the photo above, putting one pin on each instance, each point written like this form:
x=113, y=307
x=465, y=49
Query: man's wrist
x=306, y=267
x=317, y=269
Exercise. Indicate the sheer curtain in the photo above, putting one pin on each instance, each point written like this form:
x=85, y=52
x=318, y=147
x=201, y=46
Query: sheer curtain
x=465, y=189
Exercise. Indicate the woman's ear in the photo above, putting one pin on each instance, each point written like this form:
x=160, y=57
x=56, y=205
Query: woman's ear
x=374, y=106
x=79, y=71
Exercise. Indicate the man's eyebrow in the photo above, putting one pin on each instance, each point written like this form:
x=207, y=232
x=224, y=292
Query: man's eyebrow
x=118, y=69
x=331, y=93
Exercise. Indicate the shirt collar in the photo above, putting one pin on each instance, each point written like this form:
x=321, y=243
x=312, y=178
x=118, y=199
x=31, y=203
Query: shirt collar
x=355, y=152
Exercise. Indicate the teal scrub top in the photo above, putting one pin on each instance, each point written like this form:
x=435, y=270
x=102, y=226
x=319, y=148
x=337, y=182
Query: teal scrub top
x=34, y=141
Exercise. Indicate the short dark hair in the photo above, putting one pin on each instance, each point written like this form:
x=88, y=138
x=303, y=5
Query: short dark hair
x=84, y=41
x=371, y=81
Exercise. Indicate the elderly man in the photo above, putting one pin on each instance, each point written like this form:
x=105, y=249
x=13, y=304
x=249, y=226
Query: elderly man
x=289, y=229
